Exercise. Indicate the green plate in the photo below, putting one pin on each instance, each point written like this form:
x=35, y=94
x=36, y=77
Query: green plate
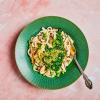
x=24, y=63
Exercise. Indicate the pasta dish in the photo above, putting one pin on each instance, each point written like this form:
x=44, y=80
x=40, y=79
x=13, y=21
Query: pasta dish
x=51, y=51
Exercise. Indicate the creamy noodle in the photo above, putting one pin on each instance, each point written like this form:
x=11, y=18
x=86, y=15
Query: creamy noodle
x=51, y=51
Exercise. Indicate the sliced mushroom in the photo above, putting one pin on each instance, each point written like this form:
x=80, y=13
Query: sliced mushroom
x=42, y=70
x=48, y=73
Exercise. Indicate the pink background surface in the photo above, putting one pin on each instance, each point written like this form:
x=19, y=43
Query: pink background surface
x=15, y=14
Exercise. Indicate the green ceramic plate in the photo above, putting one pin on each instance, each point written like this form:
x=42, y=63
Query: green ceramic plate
x=24, y=63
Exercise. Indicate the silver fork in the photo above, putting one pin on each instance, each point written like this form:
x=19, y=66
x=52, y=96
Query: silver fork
x=88, y=82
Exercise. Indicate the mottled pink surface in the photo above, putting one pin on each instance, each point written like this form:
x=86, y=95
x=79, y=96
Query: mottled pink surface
x=15, y=14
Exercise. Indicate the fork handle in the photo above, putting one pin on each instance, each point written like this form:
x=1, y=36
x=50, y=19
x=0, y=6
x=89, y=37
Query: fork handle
x=88, y=82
